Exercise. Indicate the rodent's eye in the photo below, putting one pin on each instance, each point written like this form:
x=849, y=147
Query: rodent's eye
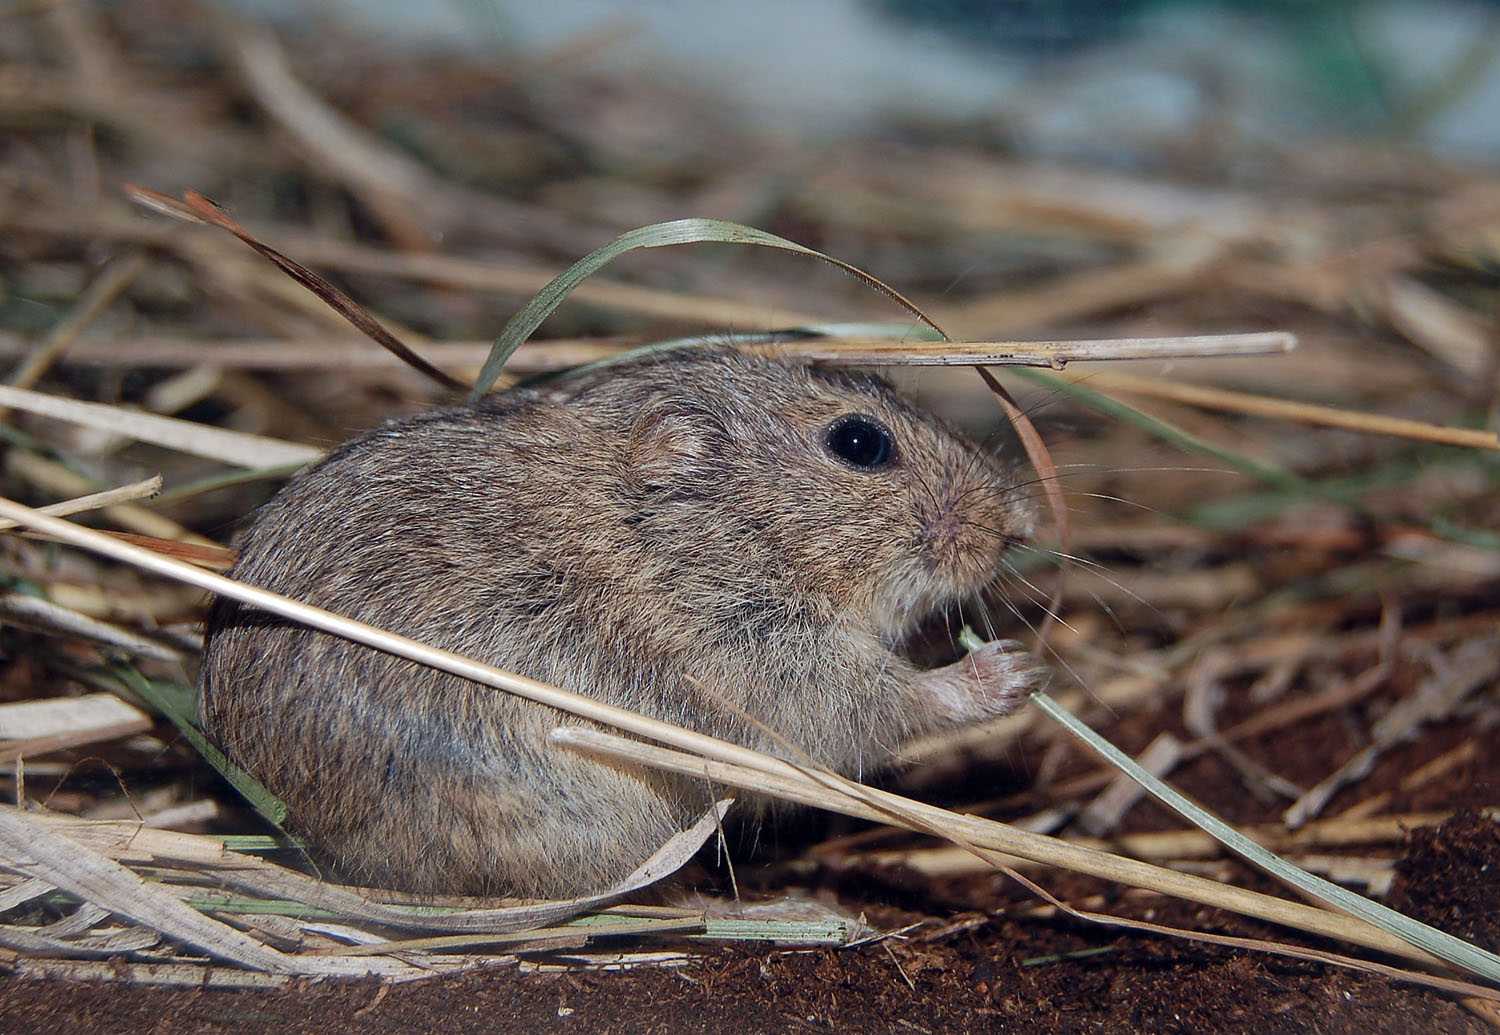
x=860, y=441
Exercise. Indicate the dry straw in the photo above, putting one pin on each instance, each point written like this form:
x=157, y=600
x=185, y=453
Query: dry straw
x=730, y=764
x=1368, y=925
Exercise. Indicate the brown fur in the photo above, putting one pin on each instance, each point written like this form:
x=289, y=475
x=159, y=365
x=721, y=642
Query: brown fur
x=637, y=534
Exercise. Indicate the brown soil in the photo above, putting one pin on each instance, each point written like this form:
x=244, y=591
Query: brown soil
x=976, y=986
x=1450, y=878
x=975, y=965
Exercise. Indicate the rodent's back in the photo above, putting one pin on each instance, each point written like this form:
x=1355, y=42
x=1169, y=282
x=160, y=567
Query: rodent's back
x=623, y=537
x=412, y=777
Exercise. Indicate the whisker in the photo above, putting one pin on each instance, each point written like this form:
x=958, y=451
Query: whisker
x=1072, y=558
x=1075, y=470
x=982, y=448
x=986, y=617
x=1098, y=570
x=1003, y=493
x=1047, y=399
x=1007, y=539
x=1092, y=495
x=1109, y=610
x=1037, y=597
x=1008, y=427
x=1112, y=614
x=927, y=489
x=1070, y=510
x=1111, y=469
x=1122, y=499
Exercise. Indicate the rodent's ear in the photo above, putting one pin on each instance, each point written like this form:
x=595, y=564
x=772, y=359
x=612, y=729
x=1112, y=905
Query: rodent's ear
x=666, y=443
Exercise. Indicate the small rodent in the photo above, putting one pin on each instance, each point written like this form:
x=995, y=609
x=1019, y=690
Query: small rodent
x=671, y=534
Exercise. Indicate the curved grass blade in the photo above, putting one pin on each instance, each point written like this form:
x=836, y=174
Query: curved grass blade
x=1046, y=469
x=692, y=231
x=657, y=235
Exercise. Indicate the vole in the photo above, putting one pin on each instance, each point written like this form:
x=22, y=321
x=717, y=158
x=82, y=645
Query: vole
x=737, y=544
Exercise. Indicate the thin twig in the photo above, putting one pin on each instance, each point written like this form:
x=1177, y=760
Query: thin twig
x=1053, y=354
x=98, y=500
x=1283, y=409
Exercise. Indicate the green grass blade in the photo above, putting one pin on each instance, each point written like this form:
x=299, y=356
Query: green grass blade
x=1288, y=487
x=657, y=235
x=1429, y=939
x=1271, y=474
x=260, y=843
x=177, y=703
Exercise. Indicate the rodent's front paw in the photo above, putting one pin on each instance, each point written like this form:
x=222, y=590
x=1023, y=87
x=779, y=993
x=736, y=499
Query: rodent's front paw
x=989, y=681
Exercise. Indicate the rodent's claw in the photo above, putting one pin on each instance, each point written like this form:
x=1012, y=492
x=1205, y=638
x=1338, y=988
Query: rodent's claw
x=989, y=681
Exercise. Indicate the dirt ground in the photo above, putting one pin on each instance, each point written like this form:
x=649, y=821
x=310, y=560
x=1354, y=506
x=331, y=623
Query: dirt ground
x=972, y=965
x=974, y=987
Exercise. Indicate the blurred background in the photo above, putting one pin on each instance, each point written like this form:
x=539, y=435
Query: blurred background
x=1068, y=77
x=1080, y=78
x=1020, y=169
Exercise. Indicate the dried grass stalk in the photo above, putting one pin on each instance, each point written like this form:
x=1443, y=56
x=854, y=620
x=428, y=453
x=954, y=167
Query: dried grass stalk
x=739, y=766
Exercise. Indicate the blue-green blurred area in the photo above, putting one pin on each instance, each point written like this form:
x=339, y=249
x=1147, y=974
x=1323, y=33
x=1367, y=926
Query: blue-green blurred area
x=1065, y=77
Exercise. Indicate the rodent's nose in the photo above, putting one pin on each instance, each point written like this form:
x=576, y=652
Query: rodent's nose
x=944, y=528
x=962, y=540
x=941, y=535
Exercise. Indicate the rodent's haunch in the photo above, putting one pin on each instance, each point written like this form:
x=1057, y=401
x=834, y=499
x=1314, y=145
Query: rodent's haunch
x=713, y=539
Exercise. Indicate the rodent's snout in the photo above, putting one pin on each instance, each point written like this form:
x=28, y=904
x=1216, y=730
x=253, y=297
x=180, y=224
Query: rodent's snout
x=967, y=524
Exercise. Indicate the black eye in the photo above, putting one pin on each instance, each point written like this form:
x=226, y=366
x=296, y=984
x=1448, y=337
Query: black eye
x=860, y=442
